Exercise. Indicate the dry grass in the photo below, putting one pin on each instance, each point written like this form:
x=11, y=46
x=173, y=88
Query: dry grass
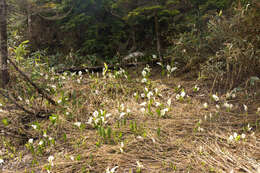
x=180, y=147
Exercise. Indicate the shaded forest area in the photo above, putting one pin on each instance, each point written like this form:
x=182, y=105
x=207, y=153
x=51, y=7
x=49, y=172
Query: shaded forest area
x=130, y=86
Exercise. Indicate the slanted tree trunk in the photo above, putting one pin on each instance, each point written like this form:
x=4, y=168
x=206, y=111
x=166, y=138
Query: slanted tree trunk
x=3, y=43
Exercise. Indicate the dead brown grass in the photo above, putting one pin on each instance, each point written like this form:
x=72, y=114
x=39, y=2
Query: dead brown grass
x=179, y=148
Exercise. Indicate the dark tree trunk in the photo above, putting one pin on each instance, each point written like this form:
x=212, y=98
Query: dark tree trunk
x=3, y=43
x=156, y=22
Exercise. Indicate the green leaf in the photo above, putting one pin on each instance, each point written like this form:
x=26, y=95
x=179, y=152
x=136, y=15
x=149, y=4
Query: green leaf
x=5, y=121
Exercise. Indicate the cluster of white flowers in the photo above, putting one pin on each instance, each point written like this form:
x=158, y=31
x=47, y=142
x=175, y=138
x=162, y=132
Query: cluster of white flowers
x=123, y=111
x=98, y=118
x=236, y=137
x=145, y=73
x=228, y=106
x=170, y=69
x=120, y=73
x=230, y=95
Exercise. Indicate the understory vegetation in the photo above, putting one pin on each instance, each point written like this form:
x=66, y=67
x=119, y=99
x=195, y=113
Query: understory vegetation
x=79, y=100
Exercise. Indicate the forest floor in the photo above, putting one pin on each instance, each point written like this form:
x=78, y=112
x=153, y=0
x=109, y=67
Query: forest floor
x=161, y=125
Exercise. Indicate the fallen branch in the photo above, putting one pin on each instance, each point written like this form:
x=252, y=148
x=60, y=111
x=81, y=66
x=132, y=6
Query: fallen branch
x=16, y=104
x=39, y=90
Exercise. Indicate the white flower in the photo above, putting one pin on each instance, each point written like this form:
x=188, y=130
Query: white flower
x=217, y=106
x=146, y=89
x=20, y=98
x=149, y=94
x=59, y=101
x=258, y=110
x=121, y=147
x=50, y=160
x=168, y=67
x=153, y=140
x=243, y=136
x=228, y=106
x=230, y=139
x=163, y=111
x=169, y=102
x=30, y=141
x=157, y=104
x=173, y=69
x=233, y=95
x=1, y=161
x=139, y=137
x=183, y=94
x=80, y=73
x=72, y=158
x=139, y=165
x=143, y=104
x=249, y=127
x=200, y=129
x=78, y=124
x=159, y=63
x=215, y=97
x=144, y=73
x=78, y=80
x=41, y=142
x=156, y=91
x=90, y=120
x=34, y=126
x=122, y=115
x=108, y=115
x=205, y=105
x=196, y=88
x=144, y=80
x=128, y=110
x=154, y=56
x=235, y=135
x=95, y=114
x=135, y=94
x=178, y=96
x=112, y=170
x=122, y=106
x=245, y=107
x=142, y=109
x=228, y=95
x=44, y=134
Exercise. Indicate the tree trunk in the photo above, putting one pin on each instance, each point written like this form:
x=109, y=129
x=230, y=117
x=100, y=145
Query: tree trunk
x=157, y=36
x=3, y=43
